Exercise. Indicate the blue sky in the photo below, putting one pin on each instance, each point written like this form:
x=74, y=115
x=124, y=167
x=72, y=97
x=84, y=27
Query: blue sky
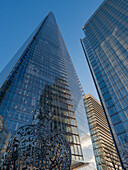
x=18, y=19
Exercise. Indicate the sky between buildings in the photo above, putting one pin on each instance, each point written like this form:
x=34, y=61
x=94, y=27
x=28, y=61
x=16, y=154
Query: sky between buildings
x=19, y=18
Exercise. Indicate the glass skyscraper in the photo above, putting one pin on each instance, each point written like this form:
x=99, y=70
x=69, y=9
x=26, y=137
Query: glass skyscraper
x=42, y=70
x=106, y=50
x=103, y=146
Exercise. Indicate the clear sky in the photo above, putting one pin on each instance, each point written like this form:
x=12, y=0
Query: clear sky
x=18, y=19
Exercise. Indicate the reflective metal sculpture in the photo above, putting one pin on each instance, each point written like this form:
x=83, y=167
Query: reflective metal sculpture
x=38, y=147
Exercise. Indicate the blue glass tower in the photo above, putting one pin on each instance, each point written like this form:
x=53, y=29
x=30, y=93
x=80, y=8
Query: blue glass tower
x=106, y=50
x=42, y=70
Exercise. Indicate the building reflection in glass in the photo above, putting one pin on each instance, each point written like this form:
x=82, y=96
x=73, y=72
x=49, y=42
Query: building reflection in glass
x=106, y=48
x=45, y=68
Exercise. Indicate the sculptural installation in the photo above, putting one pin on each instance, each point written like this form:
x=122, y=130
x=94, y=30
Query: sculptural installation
x=38, y=146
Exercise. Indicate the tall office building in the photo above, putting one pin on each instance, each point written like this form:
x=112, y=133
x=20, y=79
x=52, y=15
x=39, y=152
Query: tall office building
x=103, y=146
x=42, y=70
x=106, y=50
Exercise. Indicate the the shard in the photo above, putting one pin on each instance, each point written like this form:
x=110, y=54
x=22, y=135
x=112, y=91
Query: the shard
x=42, y=70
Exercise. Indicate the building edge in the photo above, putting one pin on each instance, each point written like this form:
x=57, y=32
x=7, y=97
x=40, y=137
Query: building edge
x=8, y=69
x=101, y=102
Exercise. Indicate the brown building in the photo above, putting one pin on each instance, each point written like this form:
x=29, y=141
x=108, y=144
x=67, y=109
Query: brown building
x=103, y=146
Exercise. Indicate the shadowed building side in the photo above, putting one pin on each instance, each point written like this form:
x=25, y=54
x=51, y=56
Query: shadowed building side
x=106, y=50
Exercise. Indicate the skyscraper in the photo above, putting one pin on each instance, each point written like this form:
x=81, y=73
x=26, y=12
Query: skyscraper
x=106, y=50
x=42, y=70
x=103, y=146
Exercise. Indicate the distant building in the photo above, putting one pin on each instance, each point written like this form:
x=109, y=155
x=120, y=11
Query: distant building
x=103, y=146
x=106, y=50
x=42, y=68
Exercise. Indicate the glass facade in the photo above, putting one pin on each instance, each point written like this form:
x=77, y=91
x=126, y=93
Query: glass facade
x=103, y=146
x=43, y=70
x=106, y=49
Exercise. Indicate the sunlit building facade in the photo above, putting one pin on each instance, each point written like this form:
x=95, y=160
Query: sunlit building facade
x=103, y=146
x=106, y=50
x=42, y=69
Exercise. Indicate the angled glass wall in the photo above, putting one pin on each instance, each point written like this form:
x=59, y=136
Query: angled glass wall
x=43, y=70
x=106, y=49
